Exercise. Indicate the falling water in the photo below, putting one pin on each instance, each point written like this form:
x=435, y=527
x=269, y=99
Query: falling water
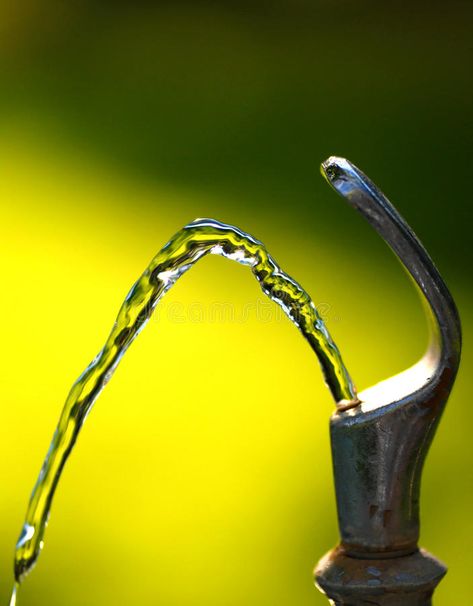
x=13, y=594
x=194, y=241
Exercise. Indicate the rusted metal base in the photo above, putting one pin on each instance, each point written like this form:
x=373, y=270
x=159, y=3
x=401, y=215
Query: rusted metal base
x=402, y=581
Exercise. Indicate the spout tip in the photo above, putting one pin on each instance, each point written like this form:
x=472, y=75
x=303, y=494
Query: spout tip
x=343, y=176
x=335, y=167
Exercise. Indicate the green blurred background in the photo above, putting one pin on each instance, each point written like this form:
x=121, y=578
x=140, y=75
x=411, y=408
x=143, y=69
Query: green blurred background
x=203, y=475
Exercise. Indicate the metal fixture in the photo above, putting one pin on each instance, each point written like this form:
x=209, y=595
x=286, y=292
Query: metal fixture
x=379, y=446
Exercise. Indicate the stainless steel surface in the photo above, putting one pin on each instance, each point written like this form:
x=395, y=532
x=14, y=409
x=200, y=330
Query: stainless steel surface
x=404, y=581
x=379, y=446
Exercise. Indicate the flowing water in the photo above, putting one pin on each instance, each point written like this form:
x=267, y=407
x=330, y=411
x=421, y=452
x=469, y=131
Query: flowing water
x=197, y=239
x=13, y=595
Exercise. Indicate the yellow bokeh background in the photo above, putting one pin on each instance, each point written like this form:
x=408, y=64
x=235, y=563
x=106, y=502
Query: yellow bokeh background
x=203, y=474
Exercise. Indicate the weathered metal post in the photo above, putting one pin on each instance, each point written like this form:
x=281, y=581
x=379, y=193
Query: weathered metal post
x=379, y=446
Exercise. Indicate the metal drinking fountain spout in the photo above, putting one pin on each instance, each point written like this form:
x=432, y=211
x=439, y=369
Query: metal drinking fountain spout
x=379, y=445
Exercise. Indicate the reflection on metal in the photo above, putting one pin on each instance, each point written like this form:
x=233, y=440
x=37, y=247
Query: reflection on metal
x=379, y=446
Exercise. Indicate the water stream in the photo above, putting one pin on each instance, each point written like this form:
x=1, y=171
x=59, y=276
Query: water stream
x=195, y=240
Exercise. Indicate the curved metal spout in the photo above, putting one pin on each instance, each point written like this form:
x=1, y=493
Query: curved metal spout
x=440, y=363
x=379, y=446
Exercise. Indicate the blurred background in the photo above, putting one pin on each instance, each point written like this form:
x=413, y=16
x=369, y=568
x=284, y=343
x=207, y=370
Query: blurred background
x=203, y=474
